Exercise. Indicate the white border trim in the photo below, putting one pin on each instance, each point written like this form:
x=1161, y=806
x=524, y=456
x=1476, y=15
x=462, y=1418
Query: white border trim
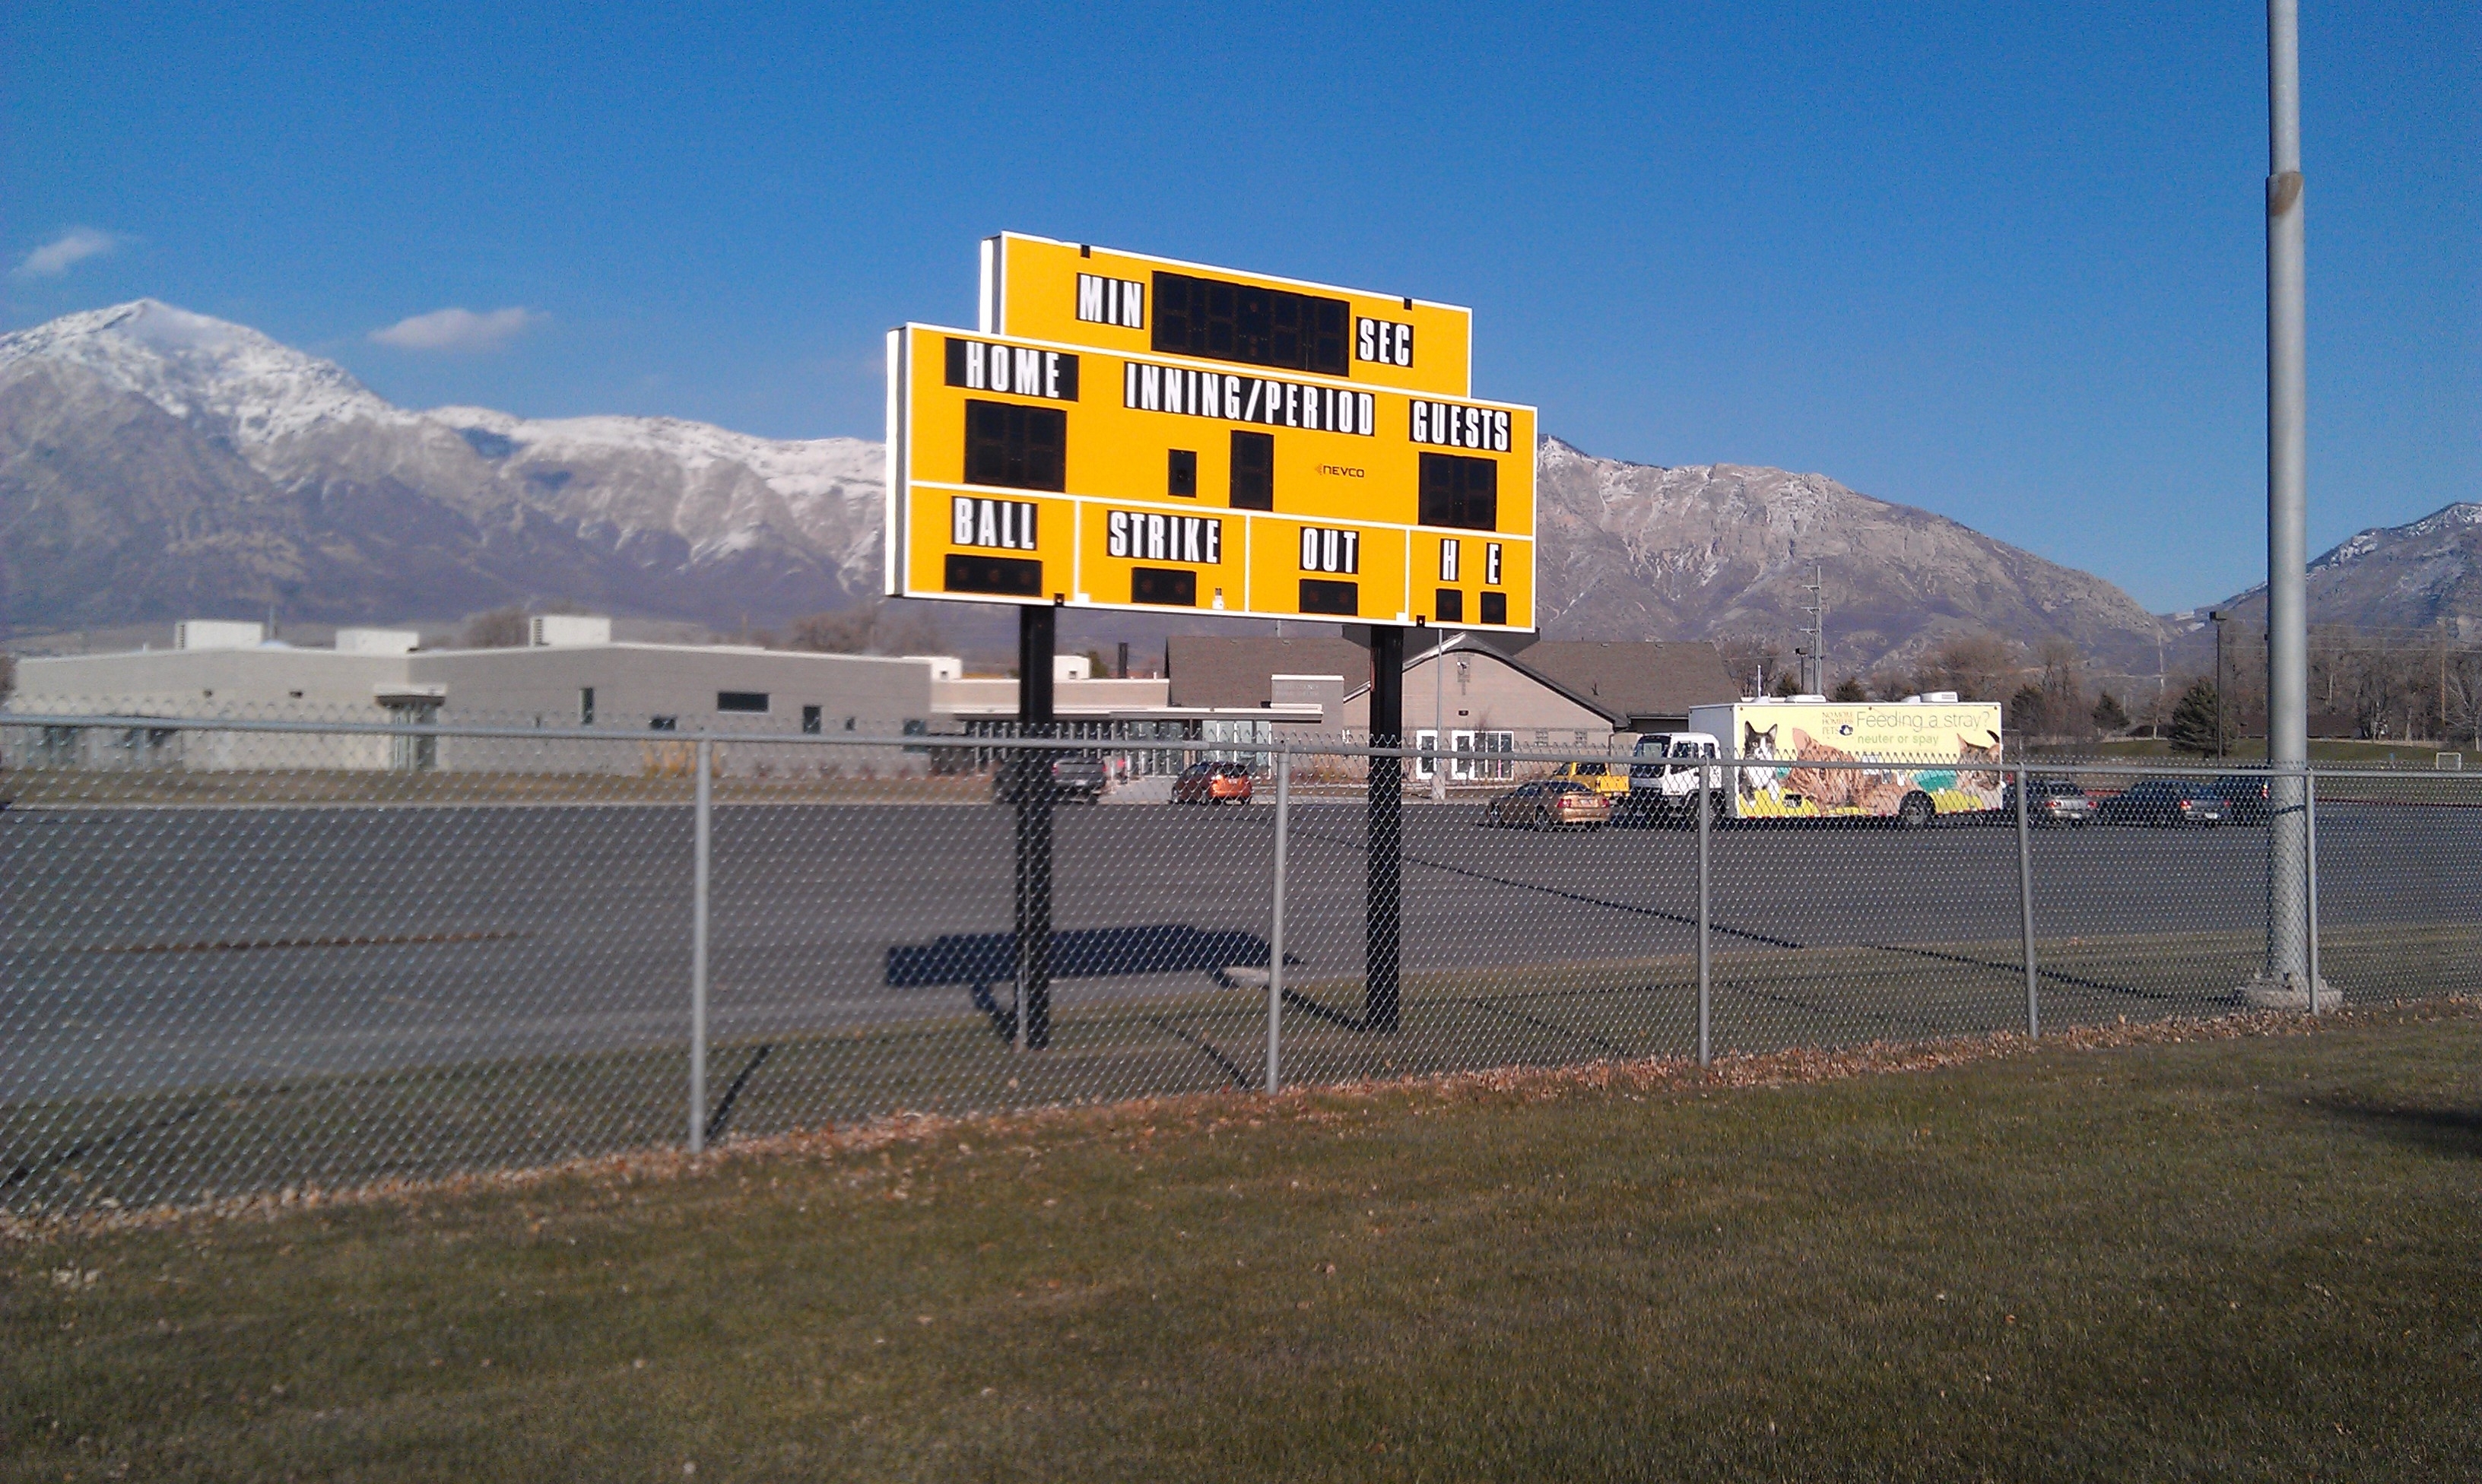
x=989, y=312
x=898, y=453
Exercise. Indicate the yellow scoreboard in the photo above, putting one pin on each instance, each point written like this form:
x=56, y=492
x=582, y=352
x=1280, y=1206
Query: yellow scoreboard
x=1131, y=432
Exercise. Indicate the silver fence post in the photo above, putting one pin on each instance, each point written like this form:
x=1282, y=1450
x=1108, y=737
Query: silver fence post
x=2309, y=821
x=1276, y=930
x=2025, y=902
x=697, y=950
x=1705, y=985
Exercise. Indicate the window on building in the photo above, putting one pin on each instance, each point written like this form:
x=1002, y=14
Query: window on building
x=586, y=706
x=1253, y=471
x=1460, y=491
x=813, y=721
x=663, y=723
x=1017, y=446
x=746, y=702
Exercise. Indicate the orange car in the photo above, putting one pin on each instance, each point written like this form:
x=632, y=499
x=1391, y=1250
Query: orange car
x=1549, y=803
x=1212, y=783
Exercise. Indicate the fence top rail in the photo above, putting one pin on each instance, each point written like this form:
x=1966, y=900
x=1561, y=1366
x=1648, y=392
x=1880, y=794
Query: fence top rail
x=1270, y=749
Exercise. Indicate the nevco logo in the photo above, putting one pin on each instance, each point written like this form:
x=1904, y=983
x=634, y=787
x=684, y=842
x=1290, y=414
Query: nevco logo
x=1448, y=424
x=1102, y=300
x=1142, y=536
x=1007, y=525
x=1324, y=550
x=983, y=367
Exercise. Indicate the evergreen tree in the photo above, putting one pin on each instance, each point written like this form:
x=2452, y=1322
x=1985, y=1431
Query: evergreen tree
x=2028, y=714
x=2193, y=720
x=2108, y=717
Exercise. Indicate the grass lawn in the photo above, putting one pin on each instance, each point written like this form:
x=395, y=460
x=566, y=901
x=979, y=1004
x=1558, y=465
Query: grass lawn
x=2158, y=1254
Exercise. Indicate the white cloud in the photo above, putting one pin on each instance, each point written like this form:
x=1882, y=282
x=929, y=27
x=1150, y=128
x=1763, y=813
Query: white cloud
x=458, y=329
x=67, y=250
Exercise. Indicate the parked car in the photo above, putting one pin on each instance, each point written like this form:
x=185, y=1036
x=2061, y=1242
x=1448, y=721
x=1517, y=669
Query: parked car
x=2244, y=796
x=1611, y=778
x=1212, y=783
x=1066, y=775
x=1549, y=803
x=2163, y=801
x=2056, y=801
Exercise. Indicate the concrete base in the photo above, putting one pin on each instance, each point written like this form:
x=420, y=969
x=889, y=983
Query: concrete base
x=2291, y=991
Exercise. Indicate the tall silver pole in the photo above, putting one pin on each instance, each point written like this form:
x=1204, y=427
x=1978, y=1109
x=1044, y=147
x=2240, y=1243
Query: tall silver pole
x=1705, y=905
x=2309, y=816
x=1276, y=930
x=699, y=853
x=2025, y=902
x=2288, y=529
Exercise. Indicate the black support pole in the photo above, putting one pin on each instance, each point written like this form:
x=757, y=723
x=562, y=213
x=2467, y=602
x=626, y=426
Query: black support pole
x=1387, y=829
x=1037, y=631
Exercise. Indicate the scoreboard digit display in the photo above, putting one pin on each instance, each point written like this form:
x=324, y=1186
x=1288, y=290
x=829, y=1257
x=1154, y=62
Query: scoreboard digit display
x=1131, y=432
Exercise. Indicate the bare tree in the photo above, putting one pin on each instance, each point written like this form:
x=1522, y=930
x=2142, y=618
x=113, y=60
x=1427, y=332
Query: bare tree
x=1978, y=666
x=910, y=629
x=1755, y=662
x=502, y=628
x=844, y=632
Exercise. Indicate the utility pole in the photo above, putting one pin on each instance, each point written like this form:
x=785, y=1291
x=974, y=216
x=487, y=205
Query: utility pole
x=2219, y=615
x=2285, y=981
x=1814, y=661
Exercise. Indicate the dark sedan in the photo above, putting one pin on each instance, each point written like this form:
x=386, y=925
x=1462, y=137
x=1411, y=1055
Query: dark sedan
x=2167, y=802
x=2244, y=796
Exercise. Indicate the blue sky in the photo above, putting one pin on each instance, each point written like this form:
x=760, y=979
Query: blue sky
x=2003, y=262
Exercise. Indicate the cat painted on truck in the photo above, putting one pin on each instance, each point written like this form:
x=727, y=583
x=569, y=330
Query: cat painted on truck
x=1910, y=760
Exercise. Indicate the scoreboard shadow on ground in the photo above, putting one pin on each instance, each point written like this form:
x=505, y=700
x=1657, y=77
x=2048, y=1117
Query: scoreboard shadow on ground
x=977, y=961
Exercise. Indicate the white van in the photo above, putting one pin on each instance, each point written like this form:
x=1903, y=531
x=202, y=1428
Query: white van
x=1663, y=777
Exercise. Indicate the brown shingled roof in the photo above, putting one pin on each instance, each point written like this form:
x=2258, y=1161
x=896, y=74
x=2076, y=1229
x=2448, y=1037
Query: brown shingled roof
x=1633, y=678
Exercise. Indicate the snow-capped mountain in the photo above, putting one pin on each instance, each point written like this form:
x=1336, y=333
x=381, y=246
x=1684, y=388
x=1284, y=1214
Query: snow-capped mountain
x=155, y=462
x=1717, y=550
x=2414, y=576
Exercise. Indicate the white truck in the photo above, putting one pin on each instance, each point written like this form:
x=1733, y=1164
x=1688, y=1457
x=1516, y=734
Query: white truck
x=1810, y=758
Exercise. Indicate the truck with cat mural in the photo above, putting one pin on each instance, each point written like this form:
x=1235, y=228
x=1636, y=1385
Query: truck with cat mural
x=1911, y=761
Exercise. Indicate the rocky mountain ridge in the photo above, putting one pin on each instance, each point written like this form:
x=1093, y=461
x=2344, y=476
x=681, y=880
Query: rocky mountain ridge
x=156, y=463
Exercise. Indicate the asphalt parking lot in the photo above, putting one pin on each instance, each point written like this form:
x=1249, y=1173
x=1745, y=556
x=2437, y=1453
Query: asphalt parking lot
x=152, y=947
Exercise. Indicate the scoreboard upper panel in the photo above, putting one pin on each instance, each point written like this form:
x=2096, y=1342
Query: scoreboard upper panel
x=1031, y=470
x=1071, y=293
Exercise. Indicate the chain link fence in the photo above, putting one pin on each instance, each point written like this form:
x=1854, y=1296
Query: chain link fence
x=240, y=955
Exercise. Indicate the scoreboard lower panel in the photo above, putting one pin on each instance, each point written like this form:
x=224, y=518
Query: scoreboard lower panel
x=1028, y=473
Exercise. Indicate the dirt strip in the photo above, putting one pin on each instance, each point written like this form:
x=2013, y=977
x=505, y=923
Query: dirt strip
x=1208, y=1111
